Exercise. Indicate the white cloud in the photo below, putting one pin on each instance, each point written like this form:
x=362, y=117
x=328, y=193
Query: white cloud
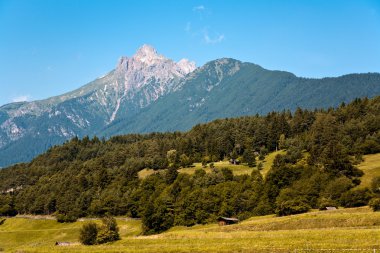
x=22, y=98
x=199, y=8
x=213, y=40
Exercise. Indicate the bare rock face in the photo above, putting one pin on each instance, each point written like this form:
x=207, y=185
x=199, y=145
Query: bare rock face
x=136, y=82
x=142, y=79
x=146, y=65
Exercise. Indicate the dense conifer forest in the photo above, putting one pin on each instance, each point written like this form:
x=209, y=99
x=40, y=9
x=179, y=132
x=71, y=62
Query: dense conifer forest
x=94, y=177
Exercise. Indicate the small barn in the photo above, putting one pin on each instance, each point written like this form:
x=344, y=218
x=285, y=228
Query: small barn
x=227, y=221
x=63, y=244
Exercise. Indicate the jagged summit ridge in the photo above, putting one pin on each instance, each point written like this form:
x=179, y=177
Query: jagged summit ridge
x=135, y=83
x=147, y=56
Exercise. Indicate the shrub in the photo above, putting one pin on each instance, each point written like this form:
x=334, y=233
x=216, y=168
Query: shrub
x=7, y=210
x=375, y=185
x=294, y=206
x=109, y=231
x=88, y=233
x=289, y=201
x=375, y=204
x=355, y=198
x=91, y=234
x=63, y=218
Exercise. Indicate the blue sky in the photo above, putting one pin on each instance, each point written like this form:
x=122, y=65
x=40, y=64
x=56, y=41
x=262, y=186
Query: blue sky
x=51, y=47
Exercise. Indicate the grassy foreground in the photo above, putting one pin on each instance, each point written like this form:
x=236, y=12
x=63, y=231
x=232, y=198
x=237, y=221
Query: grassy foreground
x=352, y=230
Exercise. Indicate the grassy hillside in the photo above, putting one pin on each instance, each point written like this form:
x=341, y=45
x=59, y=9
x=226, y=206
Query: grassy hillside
x=355, y=228
x=240, y=169
x=371, y=168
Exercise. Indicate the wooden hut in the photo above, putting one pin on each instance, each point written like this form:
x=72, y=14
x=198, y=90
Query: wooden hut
x=227, y=221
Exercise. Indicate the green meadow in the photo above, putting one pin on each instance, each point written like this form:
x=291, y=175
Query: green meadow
x=240, y=169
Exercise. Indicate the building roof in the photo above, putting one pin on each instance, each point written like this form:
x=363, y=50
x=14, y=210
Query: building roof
x=228, y=219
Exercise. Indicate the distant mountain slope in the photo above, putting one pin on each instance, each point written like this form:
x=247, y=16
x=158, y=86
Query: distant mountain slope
x=230, y=88
x=148, y=92
x=27, y=129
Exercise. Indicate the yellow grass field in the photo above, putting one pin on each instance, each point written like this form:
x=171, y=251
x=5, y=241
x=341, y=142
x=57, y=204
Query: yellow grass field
x=342, y=230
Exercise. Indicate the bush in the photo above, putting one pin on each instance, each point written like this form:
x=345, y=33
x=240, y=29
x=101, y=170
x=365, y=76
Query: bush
x=375, y=204
x=375, y=185
x=289, y=201
x=7, y=210
x=63, y=218
x=88, y=233
x=355, y=198
x=91, y=234
x=294, y=206
x=109, y=231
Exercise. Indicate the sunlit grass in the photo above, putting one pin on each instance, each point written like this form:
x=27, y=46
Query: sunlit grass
x=355, y=228
x=371, y=168
x=241, y=169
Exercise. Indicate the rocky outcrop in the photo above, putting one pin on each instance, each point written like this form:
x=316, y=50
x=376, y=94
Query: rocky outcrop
x=135, y=83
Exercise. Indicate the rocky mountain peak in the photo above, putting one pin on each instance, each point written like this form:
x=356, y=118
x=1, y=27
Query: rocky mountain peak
x=148, y=63
x=148, y=55
x=186, y=65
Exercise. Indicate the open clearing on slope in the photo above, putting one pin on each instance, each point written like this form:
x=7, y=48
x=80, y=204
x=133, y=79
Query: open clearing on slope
x=355, y=228
x=240, y=169
x=371, y=168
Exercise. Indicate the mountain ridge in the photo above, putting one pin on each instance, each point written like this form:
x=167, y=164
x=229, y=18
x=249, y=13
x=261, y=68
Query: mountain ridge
x=260, y=91
x=149, y=92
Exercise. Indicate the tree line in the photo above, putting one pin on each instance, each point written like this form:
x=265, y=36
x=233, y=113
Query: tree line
x=98, y=177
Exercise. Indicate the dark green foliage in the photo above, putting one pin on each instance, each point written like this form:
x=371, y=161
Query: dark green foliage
x=91, y=234
x=88, y=233
x=335, y=188
x=108, y=231
x=185, y=161
x=291, y=202
x=375, y=204
x=101, y=177
x=249, y=157
x=7, y=207
x=354, y=198
x=159, y=215
x=375, y=185
x=62, y=218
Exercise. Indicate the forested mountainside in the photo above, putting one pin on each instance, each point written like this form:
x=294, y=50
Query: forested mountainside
x=93, y=177
x=148, y=92
x=230, y=88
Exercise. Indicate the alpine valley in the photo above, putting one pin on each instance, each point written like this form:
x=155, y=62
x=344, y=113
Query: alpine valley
x=149, y=92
